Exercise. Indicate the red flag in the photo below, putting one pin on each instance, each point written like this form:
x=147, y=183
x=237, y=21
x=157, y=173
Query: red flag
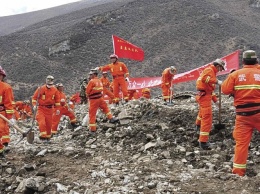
x=124, y=49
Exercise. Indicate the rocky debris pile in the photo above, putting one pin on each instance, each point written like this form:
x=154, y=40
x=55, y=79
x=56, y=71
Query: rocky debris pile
x=154, y=149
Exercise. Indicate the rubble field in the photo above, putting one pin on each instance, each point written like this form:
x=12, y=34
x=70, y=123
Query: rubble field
x=154, y=149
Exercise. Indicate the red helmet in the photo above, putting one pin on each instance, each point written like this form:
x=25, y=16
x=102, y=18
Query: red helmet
x=2, y=72
x=113, y=56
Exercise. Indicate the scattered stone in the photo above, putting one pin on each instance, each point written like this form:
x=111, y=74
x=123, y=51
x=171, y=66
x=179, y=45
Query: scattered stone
x=42, y=153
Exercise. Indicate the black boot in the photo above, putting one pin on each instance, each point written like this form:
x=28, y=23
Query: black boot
x=205, y=145
x=74, y=125
x=2, y=155
x=7, y=148
x=197, y=127
x=113, y=120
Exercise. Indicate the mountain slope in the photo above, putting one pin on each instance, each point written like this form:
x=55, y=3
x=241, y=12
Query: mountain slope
x=183, y=33
x=14, y=23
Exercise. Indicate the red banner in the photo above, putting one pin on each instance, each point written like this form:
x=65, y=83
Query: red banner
x=231, y=60
x=124, y=49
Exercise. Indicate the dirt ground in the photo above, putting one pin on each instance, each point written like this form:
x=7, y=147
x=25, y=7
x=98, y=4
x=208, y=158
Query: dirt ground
x=157, y=152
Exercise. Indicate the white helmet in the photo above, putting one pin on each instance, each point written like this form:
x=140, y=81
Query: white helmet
x=221, y=63
x=59, y=85
x=113, y=56
x=49, y=80
x=173, y=69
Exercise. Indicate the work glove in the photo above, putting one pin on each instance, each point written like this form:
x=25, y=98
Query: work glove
x=34, y=108
x=12, y=122
x=219, y=82
x=57, y=112
x=127, y=79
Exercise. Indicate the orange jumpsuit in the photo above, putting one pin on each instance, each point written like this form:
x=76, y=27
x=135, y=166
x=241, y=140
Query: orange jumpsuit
x=6, y=131
x=61, y=110
x=74, y=99
x=111, y=86
x=166, y=84
x=146, y=93
x=244, y=84
x=48, y=98
x=94, y=92
x=6, y=109
x=23, y=109
x=205, y=86
x=198, y=119
x=133, y=95
x=119, y=71
x=106, y=91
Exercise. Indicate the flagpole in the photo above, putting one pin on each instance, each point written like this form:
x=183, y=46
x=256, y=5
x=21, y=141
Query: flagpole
x=113, y=44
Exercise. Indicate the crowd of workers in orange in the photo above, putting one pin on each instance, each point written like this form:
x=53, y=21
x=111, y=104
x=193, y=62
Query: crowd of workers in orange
x=49, y=103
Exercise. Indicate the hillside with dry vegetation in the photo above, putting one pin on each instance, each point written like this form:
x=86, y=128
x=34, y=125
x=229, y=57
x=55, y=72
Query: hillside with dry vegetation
x=183, y=33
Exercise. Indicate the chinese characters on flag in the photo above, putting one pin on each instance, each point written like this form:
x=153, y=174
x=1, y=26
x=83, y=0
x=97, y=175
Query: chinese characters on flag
x=124, y=49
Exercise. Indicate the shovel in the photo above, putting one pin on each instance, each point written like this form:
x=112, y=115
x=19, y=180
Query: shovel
x=170, y=103
x=29, y=135
x=219, y=125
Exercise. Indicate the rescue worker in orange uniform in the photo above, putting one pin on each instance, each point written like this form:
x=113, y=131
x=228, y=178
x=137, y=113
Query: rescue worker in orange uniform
x=166, y=85
x=120, y=75
x=62, y=110
x=47, y=97
x=24, y=109
x=133, y=94
x=6, y=107
x=111, y=86
x=245, y=85
x=146, y=93
x=94, y=91
x=74, y=99
x=205, y=86
x=198, y=119
x=106, y=83
x=6, y=132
